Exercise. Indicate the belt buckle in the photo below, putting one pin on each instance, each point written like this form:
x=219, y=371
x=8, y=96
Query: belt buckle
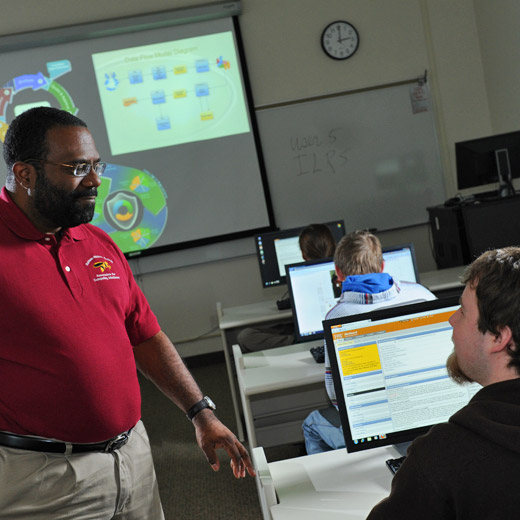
x=117, y=442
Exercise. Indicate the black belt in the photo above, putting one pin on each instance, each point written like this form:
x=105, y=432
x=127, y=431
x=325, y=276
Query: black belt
x=23, y=442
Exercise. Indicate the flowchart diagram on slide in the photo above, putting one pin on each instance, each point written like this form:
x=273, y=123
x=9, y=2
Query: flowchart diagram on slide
x=35, y=82
x=171, y=93
x=152, y=96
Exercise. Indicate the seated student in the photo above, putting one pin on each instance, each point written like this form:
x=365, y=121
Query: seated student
x=359, y=266
x=316, y=241
x=469, y=467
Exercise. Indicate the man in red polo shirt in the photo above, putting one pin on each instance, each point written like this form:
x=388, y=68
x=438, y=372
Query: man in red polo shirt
x=73, y=327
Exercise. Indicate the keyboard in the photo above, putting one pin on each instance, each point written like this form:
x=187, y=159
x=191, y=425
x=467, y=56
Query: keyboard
x=318, y=353
x=395, y=464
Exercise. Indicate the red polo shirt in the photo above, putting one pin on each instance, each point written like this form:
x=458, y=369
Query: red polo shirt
x=69, y=315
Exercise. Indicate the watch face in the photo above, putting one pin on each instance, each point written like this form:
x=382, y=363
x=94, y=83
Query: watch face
x=210, y=402
x=340, y=40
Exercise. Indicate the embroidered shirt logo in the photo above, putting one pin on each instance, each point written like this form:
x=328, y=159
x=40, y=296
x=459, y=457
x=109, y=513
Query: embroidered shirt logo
x=102, y=266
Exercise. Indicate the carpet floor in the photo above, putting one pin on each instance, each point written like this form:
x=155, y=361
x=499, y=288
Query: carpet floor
x=189, y=488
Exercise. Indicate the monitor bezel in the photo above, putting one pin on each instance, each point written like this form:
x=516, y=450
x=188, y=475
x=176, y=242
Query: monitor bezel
x=400, y=437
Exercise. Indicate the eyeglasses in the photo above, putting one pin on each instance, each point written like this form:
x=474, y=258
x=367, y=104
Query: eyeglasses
x=78, y=170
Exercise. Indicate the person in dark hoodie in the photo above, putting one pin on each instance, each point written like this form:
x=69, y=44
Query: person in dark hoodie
x=469, y=467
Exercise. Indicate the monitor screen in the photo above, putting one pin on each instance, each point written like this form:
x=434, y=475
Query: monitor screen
x=313, y=289
x=276, y=249
x=389, y=372
x=400, y=263
x=480, y=160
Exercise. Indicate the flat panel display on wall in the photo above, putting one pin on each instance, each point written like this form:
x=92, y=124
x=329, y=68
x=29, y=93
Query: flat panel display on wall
x=170, y=111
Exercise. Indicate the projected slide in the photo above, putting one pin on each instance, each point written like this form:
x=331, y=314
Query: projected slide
x=131, y=203
x=131, y=207
x=167, y=105
x=170, y=93
x=36, y=82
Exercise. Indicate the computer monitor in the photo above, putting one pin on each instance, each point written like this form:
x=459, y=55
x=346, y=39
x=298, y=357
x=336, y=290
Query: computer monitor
x=400, y=262
x=276, y=249
x=488, y=160
x=389, y=372
x=313, y=289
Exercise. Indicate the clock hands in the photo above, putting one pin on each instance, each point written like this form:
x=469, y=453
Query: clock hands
x=340, y=39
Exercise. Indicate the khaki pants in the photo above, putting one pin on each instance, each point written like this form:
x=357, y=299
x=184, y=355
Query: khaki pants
x=97, y=486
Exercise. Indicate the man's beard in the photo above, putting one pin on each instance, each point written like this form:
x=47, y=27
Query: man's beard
x=59, y=207
x=455, y=372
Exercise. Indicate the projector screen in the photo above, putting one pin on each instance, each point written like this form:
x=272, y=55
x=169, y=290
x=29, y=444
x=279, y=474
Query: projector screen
x=170, y=112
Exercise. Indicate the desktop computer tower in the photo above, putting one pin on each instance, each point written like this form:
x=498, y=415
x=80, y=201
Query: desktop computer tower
x=491, y=225
x=448, y=236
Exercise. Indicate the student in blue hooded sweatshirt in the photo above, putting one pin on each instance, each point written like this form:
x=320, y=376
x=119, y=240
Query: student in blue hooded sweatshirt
x=359, y=266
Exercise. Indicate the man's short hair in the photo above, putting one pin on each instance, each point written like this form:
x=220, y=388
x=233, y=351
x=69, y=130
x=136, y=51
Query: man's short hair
x=495, y=277
x=316, y=242
x=26, y=136
x=359, y=252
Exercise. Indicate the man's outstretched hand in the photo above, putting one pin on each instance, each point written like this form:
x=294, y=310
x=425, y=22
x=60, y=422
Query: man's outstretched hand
x=211, y=435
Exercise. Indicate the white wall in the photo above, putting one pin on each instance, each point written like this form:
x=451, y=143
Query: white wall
x=399, y=40
x=499, y=36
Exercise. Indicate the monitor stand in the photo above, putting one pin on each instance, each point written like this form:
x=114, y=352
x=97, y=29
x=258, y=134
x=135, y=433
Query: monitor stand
x=402, y=448
x=283, y=304
x=394, y=464
x=506, y=190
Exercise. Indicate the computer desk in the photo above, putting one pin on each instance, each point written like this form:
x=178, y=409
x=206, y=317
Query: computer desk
x=327, y=486
x=233, y=319
x=278, y=388
x=444, y=282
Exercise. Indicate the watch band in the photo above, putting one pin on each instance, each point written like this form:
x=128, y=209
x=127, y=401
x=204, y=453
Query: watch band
x=205, y=402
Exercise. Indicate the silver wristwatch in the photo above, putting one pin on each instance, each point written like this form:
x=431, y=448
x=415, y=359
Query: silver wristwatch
x=205, y=402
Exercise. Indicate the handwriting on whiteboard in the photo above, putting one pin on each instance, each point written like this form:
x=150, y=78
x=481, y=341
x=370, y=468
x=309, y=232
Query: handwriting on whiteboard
x=315, y=155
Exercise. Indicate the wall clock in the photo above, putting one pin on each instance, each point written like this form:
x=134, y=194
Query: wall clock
x=340, y=40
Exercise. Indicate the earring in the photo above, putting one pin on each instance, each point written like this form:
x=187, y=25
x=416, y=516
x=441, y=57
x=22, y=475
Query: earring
x=26, y=188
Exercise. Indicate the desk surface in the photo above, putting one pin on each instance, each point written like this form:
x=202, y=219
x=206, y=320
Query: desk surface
x=280, y=368
x=330, y=485
x=245, y=315
x=443, y=278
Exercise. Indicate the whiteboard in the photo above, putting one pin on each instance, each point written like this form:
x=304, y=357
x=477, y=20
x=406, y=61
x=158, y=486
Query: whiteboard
x=363, y=157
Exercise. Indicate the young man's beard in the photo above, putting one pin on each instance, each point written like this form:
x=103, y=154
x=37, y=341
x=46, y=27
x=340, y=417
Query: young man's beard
x=454, y=370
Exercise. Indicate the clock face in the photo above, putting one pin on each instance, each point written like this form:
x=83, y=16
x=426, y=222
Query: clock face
x=340, y=40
